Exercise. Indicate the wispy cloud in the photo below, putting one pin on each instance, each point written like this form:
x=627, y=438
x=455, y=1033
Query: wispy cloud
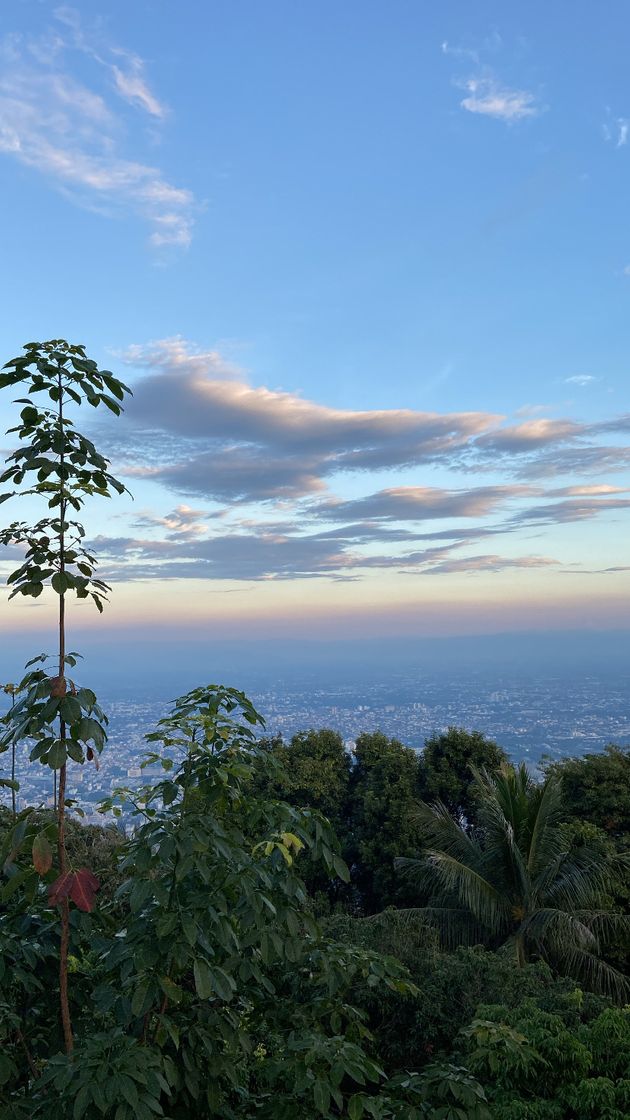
x=132, y=85
x=582, y=379
x=72, y=133
x=615, y=130
x=475, y=565
x=486, y=94
x=418, y=503
x=490, y=98
x=262, y=555
x=181, y=524
x=490, y=44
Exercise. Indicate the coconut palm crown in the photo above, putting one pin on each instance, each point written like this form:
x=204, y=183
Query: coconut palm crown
x=518, y=880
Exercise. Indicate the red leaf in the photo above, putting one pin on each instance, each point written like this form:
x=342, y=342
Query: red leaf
x=89, y=754
x=84, y=888
x=61, y=888
x=42, y=854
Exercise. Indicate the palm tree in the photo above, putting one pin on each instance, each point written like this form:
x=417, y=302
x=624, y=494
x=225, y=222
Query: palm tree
x=518, y=880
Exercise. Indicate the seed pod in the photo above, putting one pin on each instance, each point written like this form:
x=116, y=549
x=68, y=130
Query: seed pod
x=58, y=687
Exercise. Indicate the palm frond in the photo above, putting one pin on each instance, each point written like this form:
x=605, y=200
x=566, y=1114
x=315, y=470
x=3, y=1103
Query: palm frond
x=596, y=974
x=441, y=828
x=559, y=930
x=544, y=840
x=487, y=905
x=582, y=878
x=454, y=926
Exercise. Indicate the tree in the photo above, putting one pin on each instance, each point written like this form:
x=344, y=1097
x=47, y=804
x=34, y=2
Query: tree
x=596, y=788
x=448, y=760
x=59, y=465
x=519, y=881
x=533, y=1066
x=314, y=771
x=384, y=788
x=214, y=993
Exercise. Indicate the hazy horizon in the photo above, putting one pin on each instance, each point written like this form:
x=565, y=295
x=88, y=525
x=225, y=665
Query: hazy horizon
x=179, y=662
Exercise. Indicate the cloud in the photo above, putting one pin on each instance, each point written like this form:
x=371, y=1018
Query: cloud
x=582, y=460
x=531, y=435
x=131, y=84
x=573, y=509
x=204, y=431
x=488, y=45
x=615, y=130
x=459, y=52
x=489, y=98
x=582, y=379
x=585, y=491
x=257, y=443
x=418, y=503
x=69, y=131
x=183, y=523
x=270, y=555
x=475, y=565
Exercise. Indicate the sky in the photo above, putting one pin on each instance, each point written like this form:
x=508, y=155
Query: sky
x=366, y=266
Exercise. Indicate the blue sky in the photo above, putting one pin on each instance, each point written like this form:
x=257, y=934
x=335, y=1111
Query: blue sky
x=367, y=266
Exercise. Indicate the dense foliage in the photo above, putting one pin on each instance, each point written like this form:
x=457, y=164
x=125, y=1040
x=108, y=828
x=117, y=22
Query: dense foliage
x=521, y=881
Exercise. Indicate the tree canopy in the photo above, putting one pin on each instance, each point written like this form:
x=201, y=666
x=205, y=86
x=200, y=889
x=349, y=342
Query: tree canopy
x=519, y=881
x=448, y=760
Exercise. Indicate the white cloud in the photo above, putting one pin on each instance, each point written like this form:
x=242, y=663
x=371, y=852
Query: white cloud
x=69, y=132
x=580, y=379
x=488, y=97
x=615, y=130
x=132, y=85
x=459, y=52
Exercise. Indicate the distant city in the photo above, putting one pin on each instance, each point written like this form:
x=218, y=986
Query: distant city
x=531, y=719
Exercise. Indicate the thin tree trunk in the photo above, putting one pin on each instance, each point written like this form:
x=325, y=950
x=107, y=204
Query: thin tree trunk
x=65, y=913
x=13, y=801
x=61, y=798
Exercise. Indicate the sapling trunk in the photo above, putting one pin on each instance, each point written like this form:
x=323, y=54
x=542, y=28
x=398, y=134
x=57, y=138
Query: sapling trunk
x=61, y=800
x=64, y=724
x=13, y=750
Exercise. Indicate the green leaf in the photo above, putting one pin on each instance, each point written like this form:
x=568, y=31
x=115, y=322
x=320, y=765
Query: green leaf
x=57, y=755
x=341, y=869
x=74, y=751
x=355, y=1107
x=61, y=582
x=70, y=709
x=81, y=1102
x=170, y=989
x=321, y=1096
x=190, y=929
x=138, y=1001
x=203, y=979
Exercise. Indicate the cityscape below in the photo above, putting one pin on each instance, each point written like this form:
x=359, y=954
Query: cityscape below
x=530, y=717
